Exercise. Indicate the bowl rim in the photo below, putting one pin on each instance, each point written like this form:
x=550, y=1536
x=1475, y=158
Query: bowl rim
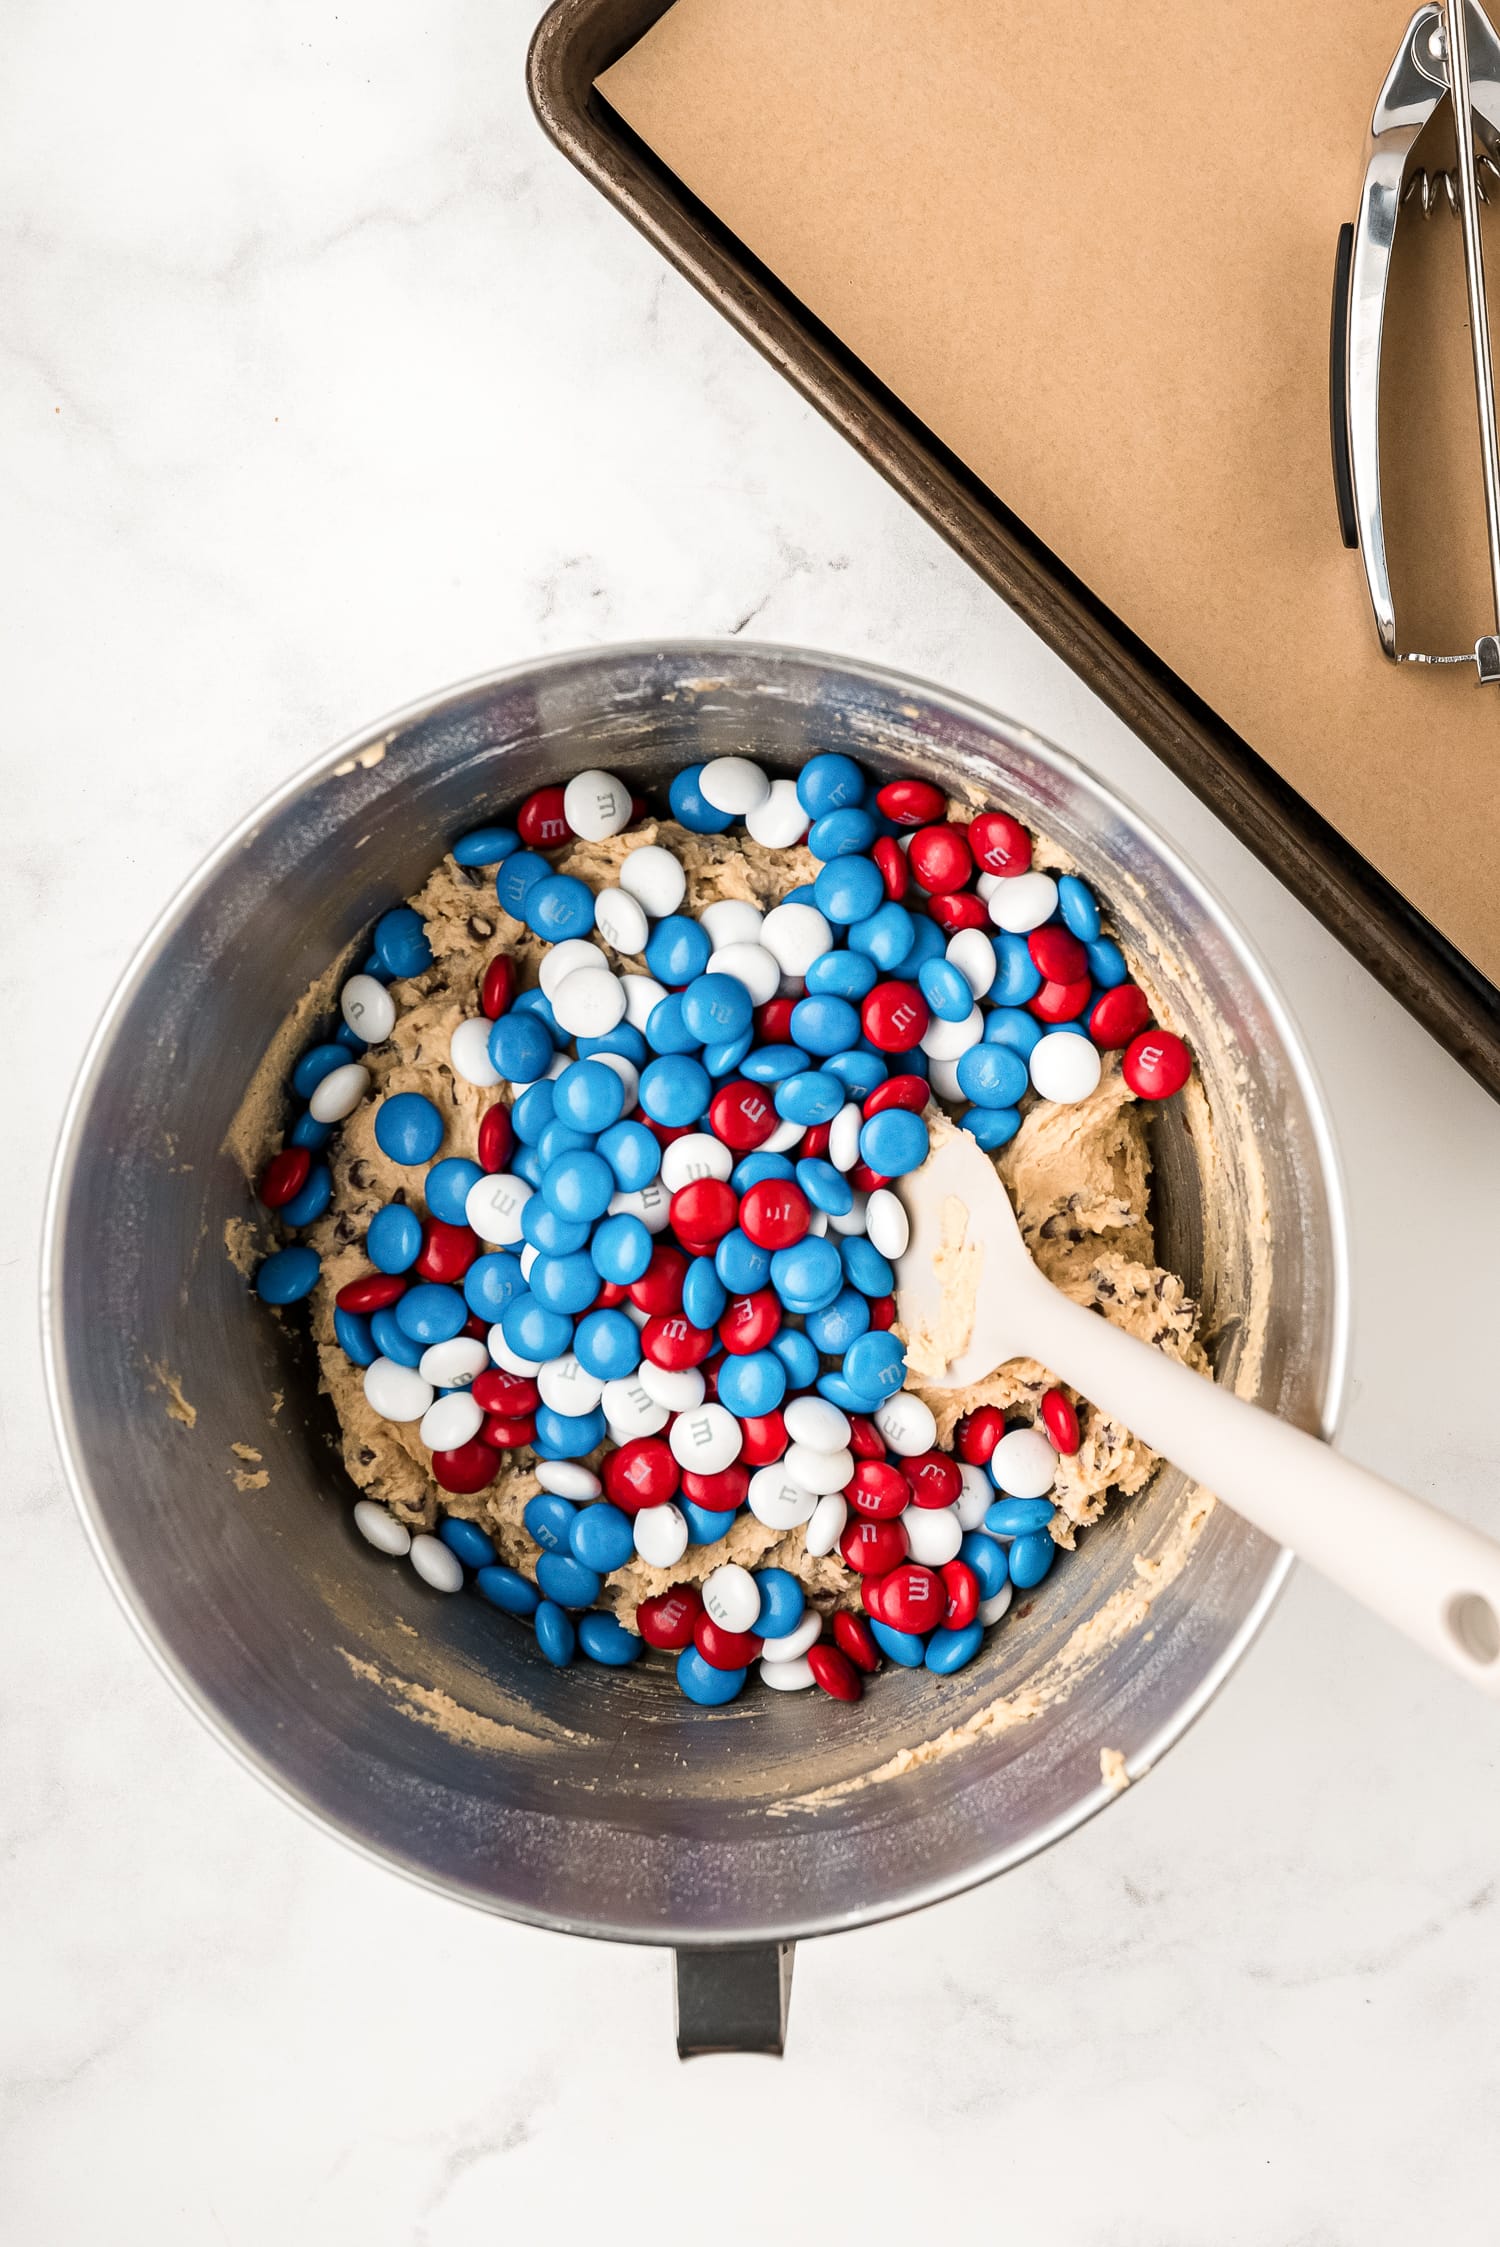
x=426, y=709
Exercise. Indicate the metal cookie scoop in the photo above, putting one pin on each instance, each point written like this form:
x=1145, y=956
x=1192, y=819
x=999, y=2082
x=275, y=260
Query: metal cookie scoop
x=1450, y=53
x=970, y=1298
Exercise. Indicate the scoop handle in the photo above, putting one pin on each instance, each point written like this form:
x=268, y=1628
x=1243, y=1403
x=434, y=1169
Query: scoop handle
x=1426, y=1574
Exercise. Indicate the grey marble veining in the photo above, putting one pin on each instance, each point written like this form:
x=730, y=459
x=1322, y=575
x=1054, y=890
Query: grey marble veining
x=325, y=381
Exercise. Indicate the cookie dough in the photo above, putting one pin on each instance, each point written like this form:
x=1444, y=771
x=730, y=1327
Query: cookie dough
x=1078, y=1176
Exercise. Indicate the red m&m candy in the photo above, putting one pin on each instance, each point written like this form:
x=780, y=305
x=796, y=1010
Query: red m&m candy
x=865, y=1439
x=541, y=822
x=284, y=1177
x=911, y=1598
x=934, y=1479
x=750, y=1322
x=668, y=1620
x=1000, y=843
x=940, y=859
x=641, y=1473
x=878, y=1490
x=833, y=1670
x=891, y=859
x=1156, y=1065
x=1061, y=1422
x=773, y=1022
x=499, y=986
x=659, y=1288
x=447, y=1251
x=911, y=803
x=895, y=1017
x=857, y=1640
x=373, y=1292
x=960, y=908
x=674, y=1343
x=702, y=1212
x=1119, y=1015
x=774, y=1213
x=506, y=1393
x=899, y=1092
x=496, y=1138
x=882, y=1312
x=977, y=1434
x=721, y=1492
x=509, y=1435
x=742, y=1115
x=872, y=1548
x=962, y=1587
x=467, y=1468
x=725, y=1650
x=1061, y=1002
x=763, y=1438
x=1058, y=954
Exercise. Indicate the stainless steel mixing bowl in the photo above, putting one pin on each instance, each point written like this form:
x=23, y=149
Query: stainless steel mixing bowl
x=599, y=1801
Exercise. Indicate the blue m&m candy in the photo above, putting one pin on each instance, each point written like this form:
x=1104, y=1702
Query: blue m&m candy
x=486, y=846
x=555, y=1635
x=717, y=1009
x=608, y=1345
x=741, y=1265
x=901, y=1646
x=705, y=1526
x=589, y=1096
x=566, y=1580
x=782, y=1603
x=838, y=834
x=565, y=1283
x=1017, y=978
x=620, y=1249
x=807, y=1275
x=796, y=1353
x=632, y=1152
x=448, y=1187
x=1012, y=1026
x=1079, y=908
x=579, y=1186
x=352, y=1333
x=392, y=1341
x=995, y=1076
x=318, y=1062
x=691, y=808
x=1107, y=963
x=824, y=1025
x=393, y=1238
x=401, y=943
x=288, y=1275
x=987, y=1559
x=813, y=1096
x=431, y=1313
x=308, y=1205
x=308, y=1132
x=948, y=1651
x=507, y=1589
x=753, y=1384
x=601, y=1537
x=894, y=1142
x=848, y=890
x=704, y=1295
x=491, y=1282
x=945, y=990
x=885, y=939
x=865, y=1267
x=568, y=1435
x=829, y=782
x=559, y=908
x=993, y=1127
x=605, y=1640
x=551, y=1235
x=844, y=975
x=702, y=1683
x=876, y=1364
x=521, y=1047
x=517, y=878
x=674, y=1090
x=839, y=1322
x=1030, y=1559
x=678, y=949
x=533, y=1331
x=469, y=1541
x=408, y=1128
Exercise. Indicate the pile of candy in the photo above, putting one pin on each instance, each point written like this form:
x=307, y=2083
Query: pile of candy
x=675, y=1248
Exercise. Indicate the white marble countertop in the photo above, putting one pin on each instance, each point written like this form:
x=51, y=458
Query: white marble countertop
x=325, y=382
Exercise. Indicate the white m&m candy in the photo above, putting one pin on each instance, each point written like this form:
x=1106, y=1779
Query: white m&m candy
x=368, y=1008
x=339, y=1094
x=655, y=878
x=589, y=1003
x=621, y=921
x=469, y=1052
x=733, y=784
x=707, y=1440
x=596, y=805
x=1065, y=1066
x=780, y=820
x=1024, y=1464
x=493, y=1206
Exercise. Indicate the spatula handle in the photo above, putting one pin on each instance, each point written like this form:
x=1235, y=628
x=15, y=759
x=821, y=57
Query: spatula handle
x=1427, y=1574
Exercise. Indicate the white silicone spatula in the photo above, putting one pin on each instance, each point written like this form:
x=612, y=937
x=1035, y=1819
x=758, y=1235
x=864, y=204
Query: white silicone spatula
x=1431, y=1577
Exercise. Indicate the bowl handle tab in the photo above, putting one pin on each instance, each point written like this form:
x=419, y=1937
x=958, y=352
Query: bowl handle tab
x=733, y=2000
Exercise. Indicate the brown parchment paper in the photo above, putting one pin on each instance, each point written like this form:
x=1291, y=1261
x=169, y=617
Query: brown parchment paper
x=1092, y=248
